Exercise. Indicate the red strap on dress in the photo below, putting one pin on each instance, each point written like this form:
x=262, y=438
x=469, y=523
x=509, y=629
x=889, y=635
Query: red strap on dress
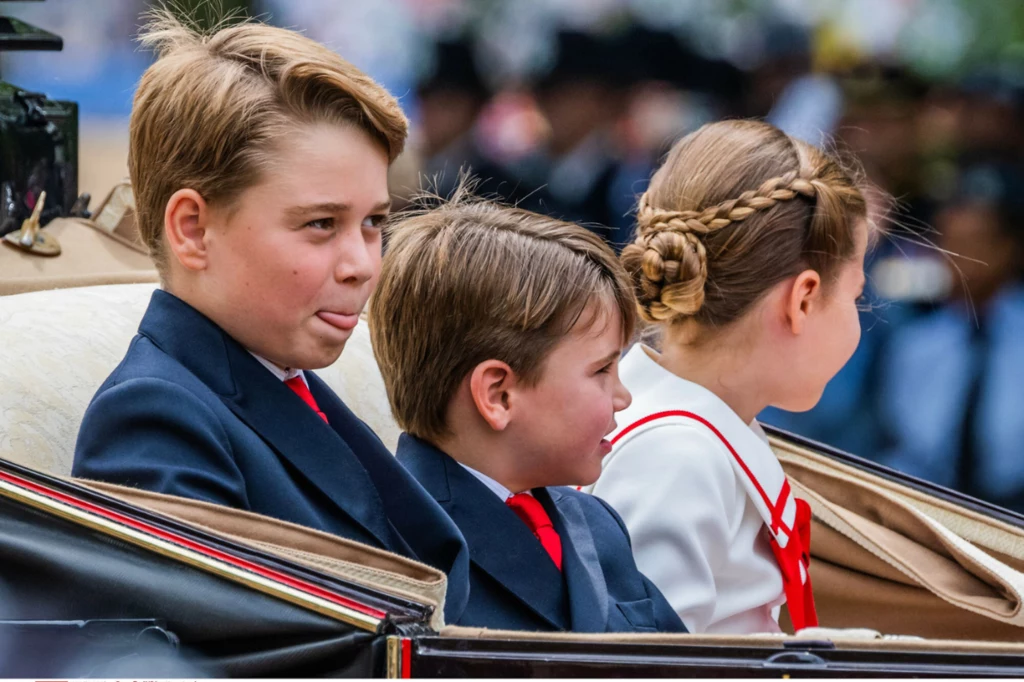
x=795, y=559
x=795, y=562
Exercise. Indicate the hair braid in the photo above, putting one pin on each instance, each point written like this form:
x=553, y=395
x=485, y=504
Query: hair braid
x=668, y=258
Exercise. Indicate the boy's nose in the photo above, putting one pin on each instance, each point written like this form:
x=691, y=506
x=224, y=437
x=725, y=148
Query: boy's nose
x=357, y=259
x=623, y=398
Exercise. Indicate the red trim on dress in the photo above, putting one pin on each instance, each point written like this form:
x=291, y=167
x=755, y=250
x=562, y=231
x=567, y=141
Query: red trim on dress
x=774, y=507
x=795, y=557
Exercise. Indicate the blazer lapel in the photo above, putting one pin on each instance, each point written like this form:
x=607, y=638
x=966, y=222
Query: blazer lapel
x=270, y=409
x=588, y=593
x=319, y=452
x=419, y=521
x=500, y=544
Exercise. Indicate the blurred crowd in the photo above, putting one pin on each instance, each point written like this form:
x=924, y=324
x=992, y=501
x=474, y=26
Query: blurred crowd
x=936, y=389
x=565, y=107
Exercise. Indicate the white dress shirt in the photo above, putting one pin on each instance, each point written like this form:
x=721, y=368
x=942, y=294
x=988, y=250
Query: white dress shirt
x=697, y=523
x=498, y=489
x=285, y=374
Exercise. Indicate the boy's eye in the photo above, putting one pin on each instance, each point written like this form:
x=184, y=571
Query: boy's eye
x=375, y=220
x=607, y=368
x=321, y=223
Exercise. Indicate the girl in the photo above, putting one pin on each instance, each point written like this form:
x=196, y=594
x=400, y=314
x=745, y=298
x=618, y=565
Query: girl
x=749, y=258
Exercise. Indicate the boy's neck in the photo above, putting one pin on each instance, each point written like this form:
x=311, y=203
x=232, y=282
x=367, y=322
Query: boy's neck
x=186, y=294
x=485, y=455
x=182, y=288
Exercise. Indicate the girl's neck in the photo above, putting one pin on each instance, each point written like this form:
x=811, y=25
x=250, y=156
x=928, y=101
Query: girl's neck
x=724, y=366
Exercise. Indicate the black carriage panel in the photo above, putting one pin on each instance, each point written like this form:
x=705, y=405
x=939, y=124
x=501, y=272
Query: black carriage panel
x=433, y=656
x=55, y=570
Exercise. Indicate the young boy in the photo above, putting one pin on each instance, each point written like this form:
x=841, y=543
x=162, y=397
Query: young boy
x=259, y=163
x=498, y=333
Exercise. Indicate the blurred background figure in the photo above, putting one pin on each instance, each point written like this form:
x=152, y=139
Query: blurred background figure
x=451, y=96
x=566, y=106
x=952, y=380
x=576, y=167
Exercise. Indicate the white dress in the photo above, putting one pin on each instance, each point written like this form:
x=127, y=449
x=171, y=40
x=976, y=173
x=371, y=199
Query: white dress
x=702, y=495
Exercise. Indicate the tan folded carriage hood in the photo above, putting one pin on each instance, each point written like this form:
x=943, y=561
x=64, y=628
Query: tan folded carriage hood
x=894, y=559
x=336, y=556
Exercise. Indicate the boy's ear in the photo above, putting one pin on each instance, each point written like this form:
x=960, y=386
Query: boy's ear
x=804, y=294
x=185, y=219
x=489, y=384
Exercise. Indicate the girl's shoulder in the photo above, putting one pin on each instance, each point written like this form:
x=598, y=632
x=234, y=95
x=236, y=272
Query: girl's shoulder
x=670, y=444
x=679, y=430
x=684, y=416
x=669, y=459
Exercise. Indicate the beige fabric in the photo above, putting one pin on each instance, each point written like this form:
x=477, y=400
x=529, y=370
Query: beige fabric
x=57, y=347
x=996, y=537
x=331, y=554
x=88, y=255
x=24, y=285
x=925, y=558
x=880, y=562
x=854, y=640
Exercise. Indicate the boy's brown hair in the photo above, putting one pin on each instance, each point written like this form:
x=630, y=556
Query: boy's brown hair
x=471, y=281
x=207, y=113
x=737, y=207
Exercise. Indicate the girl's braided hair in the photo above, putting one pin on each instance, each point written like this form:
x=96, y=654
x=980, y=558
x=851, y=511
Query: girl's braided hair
x=737, y=207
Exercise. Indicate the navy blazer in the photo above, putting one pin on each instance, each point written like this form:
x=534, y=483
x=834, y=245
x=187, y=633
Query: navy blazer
x=514, y=585
x=190, y=412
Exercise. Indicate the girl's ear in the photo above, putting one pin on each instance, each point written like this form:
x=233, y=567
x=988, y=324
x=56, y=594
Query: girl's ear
x=805, y=295
x=185, y=218
x=489, y=384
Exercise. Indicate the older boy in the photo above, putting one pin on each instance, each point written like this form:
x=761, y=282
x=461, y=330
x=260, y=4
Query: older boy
x=259, y=162
x=498, y=332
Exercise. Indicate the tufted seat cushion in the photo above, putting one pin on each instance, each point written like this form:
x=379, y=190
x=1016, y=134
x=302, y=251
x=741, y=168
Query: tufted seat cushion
x=57, y=347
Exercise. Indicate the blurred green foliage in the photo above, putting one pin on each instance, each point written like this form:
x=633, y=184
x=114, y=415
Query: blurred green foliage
x=998, y=32
x=206, y=14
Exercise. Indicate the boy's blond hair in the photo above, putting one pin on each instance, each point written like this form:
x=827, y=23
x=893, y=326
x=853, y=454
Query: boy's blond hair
x=207, y=113
x=471, y=281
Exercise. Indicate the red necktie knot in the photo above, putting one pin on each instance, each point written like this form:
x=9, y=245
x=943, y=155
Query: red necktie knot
x=531, y=511
x=298, y=385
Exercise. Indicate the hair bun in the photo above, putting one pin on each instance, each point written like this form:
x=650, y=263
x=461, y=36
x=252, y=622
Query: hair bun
x=668, y=263
x=735, y=208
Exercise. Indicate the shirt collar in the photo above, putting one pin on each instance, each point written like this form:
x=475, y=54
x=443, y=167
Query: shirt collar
x=282, y=374
x=498, y=489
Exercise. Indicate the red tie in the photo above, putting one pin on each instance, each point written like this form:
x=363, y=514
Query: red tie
x=794, y=561
x=531, y=511
x=298, y=385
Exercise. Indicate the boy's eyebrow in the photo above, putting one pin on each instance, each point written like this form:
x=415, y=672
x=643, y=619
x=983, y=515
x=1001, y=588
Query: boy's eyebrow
x=334, y=207
x=608, y=358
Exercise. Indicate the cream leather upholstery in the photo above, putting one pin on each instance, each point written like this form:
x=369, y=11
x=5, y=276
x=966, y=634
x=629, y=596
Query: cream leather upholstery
x=57, y=347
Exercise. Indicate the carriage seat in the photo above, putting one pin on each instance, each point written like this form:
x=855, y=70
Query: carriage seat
x=58, y=346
